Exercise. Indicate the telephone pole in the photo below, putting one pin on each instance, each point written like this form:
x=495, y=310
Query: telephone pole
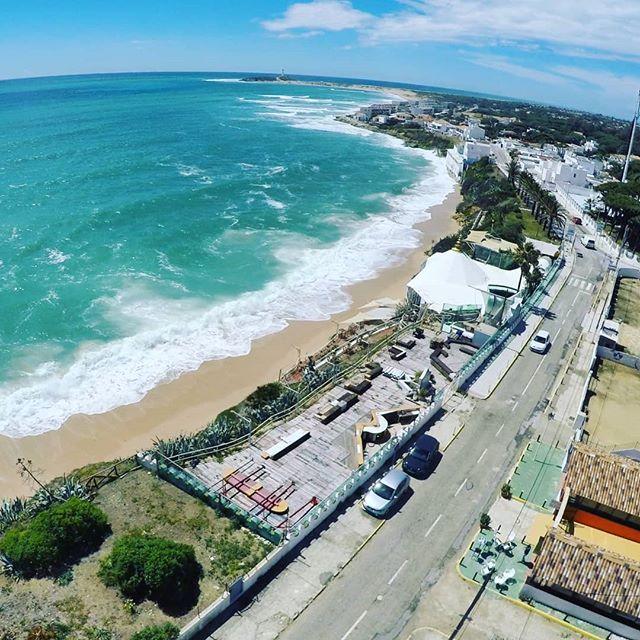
x=633, y=133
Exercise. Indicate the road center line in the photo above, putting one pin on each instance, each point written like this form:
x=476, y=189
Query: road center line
x=500, y=429
x=515, y=406
x=481, y=456
x=430, y=529
x=455, y=495
x=534, y=374
x=397, y=573
x=354, y=625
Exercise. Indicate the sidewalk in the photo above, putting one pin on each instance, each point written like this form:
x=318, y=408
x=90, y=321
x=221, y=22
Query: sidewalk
x=274, y=607
x=489, y=379
x=289, y=592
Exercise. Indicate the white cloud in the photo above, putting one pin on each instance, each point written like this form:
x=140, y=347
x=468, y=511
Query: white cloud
x=600, y=25
x=498, y=63
x=622, y=87
x=590, y=28
x=324, y=15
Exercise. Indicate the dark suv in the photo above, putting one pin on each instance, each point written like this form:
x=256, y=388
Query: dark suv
x=421, y=457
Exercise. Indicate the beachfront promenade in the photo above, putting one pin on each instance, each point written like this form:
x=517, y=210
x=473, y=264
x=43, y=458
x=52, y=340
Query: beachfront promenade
x=378, y=591
x=329, y=455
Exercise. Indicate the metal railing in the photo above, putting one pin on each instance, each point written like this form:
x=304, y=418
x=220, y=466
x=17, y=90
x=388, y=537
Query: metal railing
x=306, y=400
x=177, y=475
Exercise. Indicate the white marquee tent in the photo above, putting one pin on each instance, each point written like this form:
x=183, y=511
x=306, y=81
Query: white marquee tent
x=452, y=278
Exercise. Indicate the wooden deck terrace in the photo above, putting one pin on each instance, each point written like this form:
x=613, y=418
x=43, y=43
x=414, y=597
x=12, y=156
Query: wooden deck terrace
x=317, y=466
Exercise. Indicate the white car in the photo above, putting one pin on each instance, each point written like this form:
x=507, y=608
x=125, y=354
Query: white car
x=541, y=342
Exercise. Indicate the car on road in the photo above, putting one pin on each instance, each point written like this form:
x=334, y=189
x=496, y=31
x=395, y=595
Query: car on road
x=385, y=493
x=589, y=242
x=421, y=456
x=541, y=342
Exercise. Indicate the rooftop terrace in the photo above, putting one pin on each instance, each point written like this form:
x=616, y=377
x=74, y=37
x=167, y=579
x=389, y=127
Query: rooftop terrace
x=323, y=455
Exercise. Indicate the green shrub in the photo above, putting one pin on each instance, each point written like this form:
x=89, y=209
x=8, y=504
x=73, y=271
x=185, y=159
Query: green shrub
x=166, y=631
x=485, y=521
x=143, y=566
x=505, y=491
x=56, y=538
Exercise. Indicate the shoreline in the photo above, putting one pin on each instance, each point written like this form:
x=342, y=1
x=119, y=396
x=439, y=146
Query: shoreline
x=187, y=403
x=398, y=92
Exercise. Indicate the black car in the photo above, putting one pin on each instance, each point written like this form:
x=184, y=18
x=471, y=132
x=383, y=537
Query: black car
x=422, y=456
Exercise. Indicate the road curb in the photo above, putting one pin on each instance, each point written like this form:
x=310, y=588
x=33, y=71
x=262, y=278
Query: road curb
x=453, y=438
x=519, y=351
x=334, y=576
x=528, y=607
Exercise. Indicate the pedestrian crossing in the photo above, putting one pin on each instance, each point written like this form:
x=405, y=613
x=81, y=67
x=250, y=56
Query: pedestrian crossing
x=580, y=283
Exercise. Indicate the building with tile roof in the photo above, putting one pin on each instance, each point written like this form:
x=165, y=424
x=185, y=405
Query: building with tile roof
x=587, y=582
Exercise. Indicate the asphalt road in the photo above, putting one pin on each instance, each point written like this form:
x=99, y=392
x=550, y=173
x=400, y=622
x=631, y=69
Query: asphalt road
x=377, y=592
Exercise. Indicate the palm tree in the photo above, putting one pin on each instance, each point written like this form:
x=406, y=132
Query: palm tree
x=513, y=168
x=526, y=257
x=552, y=208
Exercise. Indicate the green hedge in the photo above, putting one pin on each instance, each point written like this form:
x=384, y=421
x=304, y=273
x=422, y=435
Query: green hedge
x=166, y=631
x=143, y=566
x=56, y=538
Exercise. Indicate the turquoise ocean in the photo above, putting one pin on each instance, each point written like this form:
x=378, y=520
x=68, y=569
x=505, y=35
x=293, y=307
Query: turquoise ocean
x=151, y=222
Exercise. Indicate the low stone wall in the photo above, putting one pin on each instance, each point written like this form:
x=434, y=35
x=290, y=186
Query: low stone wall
x=621, y=357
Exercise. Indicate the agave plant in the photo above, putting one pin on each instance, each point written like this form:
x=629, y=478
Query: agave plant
x=70, y=487
x=10, y=512
x=40, y=501
x=6, y=567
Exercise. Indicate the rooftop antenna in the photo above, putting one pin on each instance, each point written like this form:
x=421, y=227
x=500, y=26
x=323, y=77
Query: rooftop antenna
x=633, y=133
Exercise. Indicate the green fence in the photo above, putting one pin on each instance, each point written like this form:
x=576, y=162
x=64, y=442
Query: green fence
x=186, y=481
x=501, y=336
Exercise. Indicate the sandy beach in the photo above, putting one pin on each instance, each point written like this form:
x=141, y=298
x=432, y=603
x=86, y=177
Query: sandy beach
x=189, y=402
x=399, y=93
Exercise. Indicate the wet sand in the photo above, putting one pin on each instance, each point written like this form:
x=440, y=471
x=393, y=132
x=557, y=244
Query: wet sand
x=189, y=402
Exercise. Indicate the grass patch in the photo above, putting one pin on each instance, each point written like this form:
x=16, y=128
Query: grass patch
x=87, y=608
x=532, y=228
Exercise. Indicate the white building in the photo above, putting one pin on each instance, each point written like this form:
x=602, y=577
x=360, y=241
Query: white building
x=576, y=199
x=474, y=132
x=452, y=279
x=461, y=156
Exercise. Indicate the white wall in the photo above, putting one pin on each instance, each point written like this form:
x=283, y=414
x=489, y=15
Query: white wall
x=560, y=604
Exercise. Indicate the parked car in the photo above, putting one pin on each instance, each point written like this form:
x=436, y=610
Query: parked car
x=421, y=456
x=541, y=342
x=385, y=493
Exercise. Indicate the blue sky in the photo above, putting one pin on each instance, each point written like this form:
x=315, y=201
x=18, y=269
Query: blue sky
x=582, y=54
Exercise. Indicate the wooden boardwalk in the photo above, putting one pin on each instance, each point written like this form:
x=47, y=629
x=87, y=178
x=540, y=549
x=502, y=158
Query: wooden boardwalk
x=317, y=466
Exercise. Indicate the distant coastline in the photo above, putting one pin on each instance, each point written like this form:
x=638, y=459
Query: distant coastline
x=399, y=92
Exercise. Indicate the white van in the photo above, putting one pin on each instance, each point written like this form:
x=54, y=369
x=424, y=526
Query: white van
x=589, y=242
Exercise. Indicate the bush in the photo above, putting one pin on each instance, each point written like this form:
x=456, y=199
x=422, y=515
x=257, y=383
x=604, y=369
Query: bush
x=166, y=631
x=56, y=538
x=505, y=491
x=143, y=566
x=52, y=631
x=485, y=521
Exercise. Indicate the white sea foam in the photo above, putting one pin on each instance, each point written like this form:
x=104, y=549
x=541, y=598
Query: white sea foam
x=274, y=204
x=170, y=337
x=222, y=79
x=55, y=256
x=191, y=171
